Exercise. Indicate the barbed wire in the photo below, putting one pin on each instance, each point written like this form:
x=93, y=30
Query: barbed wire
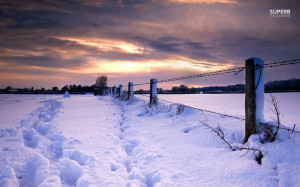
x=236, y=71
x=233, y=70
x=221, y=114
x=209, y=111
x=141, y=84
x=227, y=71
x=221, y=72
x=282, y=63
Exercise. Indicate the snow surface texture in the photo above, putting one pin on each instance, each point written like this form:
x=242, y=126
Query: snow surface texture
x=103, y=141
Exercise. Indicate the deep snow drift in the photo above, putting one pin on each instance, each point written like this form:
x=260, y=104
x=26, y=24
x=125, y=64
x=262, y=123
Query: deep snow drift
x=102, y=141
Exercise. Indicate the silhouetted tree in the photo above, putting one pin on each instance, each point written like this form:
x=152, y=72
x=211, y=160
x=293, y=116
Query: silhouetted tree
x=65, y=88
x=160, y=90
x=8, y=88
x=54, y=89
x=101, y=83
x=180, y=89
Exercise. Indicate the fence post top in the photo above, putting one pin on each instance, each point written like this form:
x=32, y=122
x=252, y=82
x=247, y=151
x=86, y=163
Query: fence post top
x=121, y=85
x=130, y=83
x=154, y=80
x=115, y=86
x=256, y=60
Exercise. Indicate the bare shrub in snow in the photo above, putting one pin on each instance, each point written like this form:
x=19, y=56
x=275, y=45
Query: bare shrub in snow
x=267, y=131
x=156, y=109
x=179, y=109
x=218, y=131
x=256, y=152
x=277, y=113
x=146, y=108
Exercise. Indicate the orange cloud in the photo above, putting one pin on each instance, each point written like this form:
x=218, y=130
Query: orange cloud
x=8, y=52
x=179, y=63
x=107, y=44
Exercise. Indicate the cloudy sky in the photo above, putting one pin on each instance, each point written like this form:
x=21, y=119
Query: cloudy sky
x=47, y=43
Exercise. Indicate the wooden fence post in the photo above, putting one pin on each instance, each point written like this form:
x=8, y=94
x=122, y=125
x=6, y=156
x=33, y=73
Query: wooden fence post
x=115, y=91
x=130, y=90
x=120, y=90
x=153, y=92
x=254, y=98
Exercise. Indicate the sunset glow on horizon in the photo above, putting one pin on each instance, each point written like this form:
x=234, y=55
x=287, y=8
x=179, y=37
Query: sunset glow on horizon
x=55, y=43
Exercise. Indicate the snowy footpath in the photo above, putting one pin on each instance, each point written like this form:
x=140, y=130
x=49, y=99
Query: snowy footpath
x=103, y=141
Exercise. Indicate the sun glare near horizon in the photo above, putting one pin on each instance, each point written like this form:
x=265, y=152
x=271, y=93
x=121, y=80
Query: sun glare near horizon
x=151, y=66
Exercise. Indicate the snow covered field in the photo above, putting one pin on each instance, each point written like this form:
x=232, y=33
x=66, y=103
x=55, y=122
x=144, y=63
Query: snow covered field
x=48, y=140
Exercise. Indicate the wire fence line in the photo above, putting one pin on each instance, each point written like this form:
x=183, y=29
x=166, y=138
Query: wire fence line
x=204, y=110
x=227, y=71
x=222, y=72
x=282, y=63
x=222, y=114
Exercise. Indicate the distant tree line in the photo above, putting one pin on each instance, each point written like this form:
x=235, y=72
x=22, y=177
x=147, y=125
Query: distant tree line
x=75, y=89
x=273, y=86
x=97, y=89
x=284, y=85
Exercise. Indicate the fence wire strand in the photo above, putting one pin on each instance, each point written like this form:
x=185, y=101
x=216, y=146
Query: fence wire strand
x=236, y=71
x=233, y=70
x=226, y=115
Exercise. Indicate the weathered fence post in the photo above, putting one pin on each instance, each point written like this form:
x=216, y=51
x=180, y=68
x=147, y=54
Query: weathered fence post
x=115, y=91
x=254, y=99
x=153, y=92
x=120, y=90
x=130, y=90
x=110, y=90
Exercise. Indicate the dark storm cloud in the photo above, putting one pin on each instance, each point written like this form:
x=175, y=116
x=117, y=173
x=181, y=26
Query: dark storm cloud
x=167, y=47
x=134, y=2
x=42, y=61
x=176, y=46
x=241, y=46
